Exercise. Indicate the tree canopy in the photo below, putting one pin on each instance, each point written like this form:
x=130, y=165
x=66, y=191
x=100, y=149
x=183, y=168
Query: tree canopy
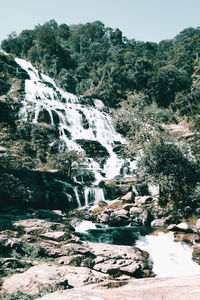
x=97, y=61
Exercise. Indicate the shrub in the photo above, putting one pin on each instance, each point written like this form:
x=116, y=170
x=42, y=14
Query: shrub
x=12, y=191
x=176, y=174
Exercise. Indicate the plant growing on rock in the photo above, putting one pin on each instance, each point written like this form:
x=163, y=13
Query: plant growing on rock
x=64, y=161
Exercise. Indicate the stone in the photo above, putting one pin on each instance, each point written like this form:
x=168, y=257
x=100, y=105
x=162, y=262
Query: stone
x=141, y=200
x=121, y=260
x=103, y=218
x=54, y=235
x=135, y=211
x=48, y=214
x=184, y=227
x=159, y=222
x=186, y=288
x=129, y=197
x=46, y=277
x=102, y=203
x=119, y=219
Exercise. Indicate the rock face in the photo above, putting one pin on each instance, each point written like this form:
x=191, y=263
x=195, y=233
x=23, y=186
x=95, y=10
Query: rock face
x=46, y=277
x=186, y=288
x=51, y=257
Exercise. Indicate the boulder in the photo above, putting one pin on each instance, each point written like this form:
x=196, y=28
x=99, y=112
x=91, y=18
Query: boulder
x=120, y=260
x=159, y=222
x=46, y=277
x=103, y=217
x=184, y=227
x=129, y=197
x=141, y=200
x=119, y=218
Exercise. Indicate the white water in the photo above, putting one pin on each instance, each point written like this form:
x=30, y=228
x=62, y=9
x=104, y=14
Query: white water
x=169, y=258
x=65, y=111
x=84, y=226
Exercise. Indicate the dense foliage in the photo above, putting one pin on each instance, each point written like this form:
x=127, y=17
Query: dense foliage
x=147, y=83
x=95, y=61
x=176, y=174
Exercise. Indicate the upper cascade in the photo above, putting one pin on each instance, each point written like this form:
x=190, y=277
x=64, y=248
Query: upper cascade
x=77, y=123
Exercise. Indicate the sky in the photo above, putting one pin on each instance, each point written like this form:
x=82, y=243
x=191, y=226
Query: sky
x=142, y=20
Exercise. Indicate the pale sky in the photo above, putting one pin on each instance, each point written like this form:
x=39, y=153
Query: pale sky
x=142, y=20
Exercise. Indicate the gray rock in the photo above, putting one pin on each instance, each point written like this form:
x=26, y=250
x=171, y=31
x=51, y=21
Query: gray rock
x=183, y=227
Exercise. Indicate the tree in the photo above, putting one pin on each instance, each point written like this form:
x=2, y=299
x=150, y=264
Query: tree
x=176, y=174
x=166, y=82
x=64, y=162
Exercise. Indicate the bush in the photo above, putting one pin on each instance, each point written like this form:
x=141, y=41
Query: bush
x=171, y=169
x=12, y=191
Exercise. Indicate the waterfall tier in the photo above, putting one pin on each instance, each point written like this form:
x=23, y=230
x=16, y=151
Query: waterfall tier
x=80, y=127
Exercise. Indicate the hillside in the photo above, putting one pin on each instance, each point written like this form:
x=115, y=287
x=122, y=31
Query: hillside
x=90, y=117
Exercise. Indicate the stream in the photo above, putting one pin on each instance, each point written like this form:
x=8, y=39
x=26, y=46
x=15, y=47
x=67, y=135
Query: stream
x=169, y=258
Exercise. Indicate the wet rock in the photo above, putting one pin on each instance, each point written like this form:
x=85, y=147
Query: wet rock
x=118, y=218
x=116, y=188
x=188, y=238
x=102, y=203
x=44, y=116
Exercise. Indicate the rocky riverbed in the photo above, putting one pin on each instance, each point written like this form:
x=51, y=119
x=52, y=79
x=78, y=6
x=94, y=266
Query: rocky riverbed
x=43, y=256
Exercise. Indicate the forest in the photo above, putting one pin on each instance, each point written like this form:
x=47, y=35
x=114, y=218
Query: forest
x=99, y=62
x=141, y=82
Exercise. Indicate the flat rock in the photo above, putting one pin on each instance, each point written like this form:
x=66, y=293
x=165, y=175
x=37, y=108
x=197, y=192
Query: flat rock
x=54, y=235
x=47, y=277
x=185, y=288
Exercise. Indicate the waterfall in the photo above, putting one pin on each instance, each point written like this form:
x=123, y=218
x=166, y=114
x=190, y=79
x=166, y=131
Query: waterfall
x=83, y=128
x=169, y=258
x=77, y=197
x=80, y=126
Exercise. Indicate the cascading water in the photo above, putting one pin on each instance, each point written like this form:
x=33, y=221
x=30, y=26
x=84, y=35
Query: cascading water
x=80, y=126
x=169, y=258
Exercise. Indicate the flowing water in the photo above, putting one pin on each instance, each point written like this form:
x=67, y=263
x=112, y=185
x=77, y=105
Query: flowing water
x=169, y=258
x=78, y=124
